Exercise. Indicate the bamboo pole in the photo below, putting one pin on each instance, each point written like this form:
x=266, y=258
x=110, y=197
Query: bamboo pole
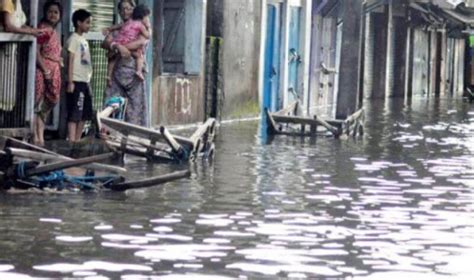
x=204, y=135
x=138, y=151
x=288, y=109
x=131, y=129
x=272, y=124
x=37, y=156
x=106, y=112
x=175, y=146
x=149, y=182
x=133, y=140
x=66, y=164
x=94, y=166
x=355, y=116
x=207, y=127
x=331, y=128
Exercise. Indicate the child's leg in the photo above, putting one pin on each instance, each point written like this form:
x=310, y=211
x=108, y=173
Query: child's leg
x=79, y=129
x=71, y=131
x=39, y=130
x=140, y=60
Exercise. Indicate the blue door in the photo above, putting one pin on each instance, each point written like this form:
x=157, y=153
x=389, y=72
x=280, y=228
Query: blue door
x=271, y=99
x=294, y=54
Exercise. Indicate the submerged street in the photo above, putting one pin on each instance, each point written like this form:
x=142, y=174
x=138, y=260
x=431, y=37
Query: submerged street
x=396, y=203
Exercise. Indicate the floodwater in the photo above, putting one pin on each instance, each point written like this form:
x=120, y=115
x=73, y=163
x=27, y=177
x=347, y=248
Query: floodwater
x=394, y=204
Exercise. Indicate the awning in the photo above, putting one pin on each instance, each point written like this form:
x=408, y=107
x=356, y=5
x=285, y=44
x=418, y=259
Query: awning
x=463, y=18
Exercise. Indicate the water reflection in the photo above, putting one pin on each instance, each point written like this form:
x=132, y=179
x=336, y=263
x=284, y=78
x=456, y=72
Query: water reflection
x=396, y=203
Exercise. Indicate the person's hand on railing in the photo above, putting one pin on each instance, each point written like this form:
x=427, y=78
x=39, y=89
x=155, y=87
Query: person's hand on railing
x=35, y=31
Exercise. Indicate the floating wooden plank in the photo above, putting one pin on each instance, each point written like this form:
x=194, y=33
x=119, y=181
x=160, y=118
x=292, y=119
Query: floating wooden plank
x=149, y=182
x=12, y=142
x=66, y=164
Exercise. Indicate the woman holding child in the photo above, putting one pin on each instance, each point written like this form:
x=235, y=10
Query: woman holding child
x=124, y=79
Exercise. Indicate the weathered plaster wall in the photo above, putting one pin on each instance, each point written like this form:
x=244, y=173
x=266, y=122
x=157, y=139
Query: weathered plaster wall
x=241, y=48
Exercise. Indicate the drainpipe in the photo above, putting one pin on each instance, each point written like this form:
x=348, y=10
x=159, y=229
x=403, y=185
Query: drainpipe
x=31, y=67
x=311, y=56
x=149, y=62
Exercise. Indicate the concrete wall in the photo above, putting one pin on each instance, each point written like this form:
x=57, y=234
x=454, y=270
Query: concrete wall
x=241, y=33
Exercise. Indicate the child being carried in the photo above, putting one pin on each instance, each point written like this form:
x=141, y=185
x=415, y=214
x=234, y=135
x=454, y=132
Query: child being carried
x=136, y=28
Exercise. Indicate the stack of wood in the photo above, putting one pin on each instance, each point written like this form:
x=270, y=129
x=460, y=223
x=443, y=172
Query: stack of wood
x=285, y=121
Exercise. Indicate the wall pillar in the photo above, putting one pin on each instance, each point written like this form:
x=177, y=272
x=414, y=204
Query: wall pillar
x=380, y=20
x=433, y=65
x=347, y=99
x=443, y=60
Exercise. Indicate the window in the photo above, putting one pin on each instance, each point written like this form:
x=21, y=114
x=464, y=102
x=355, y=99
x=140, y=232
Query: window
x=103, y=15
x=183, y=33
x=173, y=36
x=102, y=12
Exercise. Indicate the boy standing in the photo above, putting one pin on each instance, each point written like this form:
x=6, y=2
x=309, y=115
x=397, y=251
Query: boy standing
x=79, y=73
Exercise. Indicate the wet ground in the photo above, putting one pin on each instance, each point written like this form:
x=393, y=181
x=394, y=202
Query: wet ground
x=395, y=204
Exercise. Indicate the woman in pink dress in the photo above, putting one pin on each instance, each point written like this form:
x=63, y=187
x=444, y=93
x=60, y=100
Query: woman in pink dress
x=130, y=31
x=48, y=69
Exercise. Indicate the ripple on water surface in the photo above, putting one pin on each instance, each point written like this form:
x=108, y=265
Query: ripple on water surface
x=395, y=204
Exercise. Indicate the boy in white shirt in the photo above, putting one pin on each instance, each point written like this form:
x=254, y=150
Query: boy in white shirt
x=79, y=73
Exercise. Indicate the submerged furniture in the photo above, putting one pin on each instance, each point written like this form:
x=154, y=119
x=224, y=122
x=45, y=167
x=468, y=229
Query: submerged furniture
x=160, y=145
x=25, y=166
x=287, y=122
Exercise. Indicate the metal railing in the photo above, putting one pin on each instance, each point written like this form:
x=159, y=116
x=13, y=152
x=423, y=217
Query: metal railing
x=13, y=84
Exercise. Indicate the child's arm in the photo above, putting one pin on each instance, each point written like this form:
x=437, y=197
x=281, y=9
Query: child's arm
x=111, y=29
x=137, y=44
x=145, y=32
x=70, y=72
